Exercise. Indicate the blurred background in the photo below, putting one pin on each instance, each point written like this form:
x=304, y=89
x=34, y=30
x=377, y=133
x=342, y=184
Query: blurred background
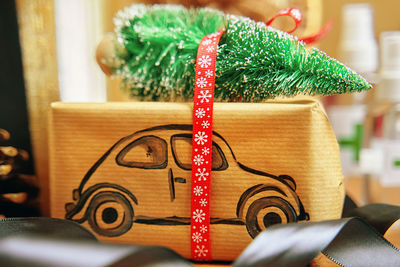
x=47, y=53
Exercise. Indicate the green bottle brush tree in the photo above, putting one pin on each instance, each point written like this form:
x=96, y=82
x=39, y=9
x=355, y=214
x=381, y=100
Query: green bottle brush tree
x=156, y=47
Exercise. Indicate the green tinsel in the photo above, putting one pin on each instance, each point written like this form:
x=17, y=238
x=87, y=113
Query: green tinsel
x=254, y=61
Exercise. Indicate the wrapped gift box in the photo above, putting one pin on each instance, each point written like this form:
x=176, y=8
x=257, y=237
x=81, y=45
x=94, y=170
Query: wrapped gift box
x=123, y=170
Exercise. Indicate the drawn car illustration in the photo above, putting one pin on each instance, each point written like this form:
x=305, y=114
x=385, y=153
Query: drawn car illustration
x=146, y=178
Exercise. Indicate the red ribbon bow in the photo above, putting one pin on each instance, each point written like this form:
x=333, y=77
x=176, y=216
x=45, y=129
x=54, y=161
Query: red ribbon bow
x=295, y=14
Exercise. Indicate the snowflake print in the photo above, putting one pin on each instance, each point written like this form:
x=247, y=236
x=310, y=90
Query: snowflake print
x=203, y=229
x=199, y=215
x=205, y=151
x=204, y=96
x=206, y=42
x=200, y=113
x=213, y=35
x=198, y=160
x=202, y=174
x=200, y=138
x=209, y=73
x=210, y=49
x=197, y=237
x=205, y=61
x=296, y=14
x=205, y=124
x=198, y=191
x=201, y=82
x=203, y=202
x=201, y=251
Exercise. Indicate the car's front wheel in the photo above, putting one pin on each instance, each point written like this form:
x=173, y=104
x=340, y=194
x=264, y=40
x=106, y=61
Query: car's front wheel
x=110, y=214
x=268, y=211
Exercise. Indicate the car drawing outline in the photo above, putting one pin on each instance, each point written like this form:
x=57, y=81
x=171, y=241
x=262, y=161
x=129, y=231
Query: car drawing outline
x=161, y=156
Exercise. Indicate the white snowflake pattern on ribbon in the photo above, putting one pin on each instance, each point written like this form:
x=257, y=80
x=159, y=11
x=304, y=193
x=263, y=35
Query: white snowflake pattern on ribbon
x=205, y=151
x=202, y=146
x=209, y=73
x=203, y=202
x=198, y=191
x=206, y=42
x=202, y=174
x=198, y=160
x=200, y=138
x=205, y=124
x=199, y=215
x=203, y=229
x=204, y=96
x=205, y=61
x=200, y=113
x=210, y=49
x=201, y=251
x=197, y=237
x=201, y=82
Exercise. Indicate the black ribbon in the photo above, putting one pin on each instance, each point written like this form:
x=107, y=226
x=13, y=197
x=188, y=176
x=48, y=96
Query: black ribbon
x=355, y=241
x=347, y=242
x=55, y=242
x=380, y=216
x=45, y=227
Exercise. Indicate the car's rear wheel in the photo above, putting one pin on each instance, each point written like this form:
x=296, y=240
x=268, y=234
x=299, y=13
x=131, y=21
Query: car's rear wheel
x=268, y=211
x=110, y=214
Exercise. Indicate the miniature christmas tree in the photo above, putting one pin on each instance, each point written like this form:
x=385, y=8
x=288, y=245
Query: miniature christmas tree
x=157, y=46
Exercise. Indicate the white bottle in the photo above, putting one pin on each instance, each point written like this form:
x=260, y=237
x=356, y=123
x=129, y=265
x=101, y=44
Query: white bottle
x=358, y=48
x=388, y=95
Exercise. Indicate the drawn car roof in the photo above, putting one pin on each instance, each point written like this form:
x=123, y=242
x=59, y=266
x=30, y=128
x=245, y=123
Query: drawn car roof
x=181, y=127
x=167, y=127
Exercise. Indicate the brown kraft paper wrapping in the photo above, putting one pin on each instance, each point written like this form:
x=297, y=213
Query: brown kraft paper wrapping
x=274, y=162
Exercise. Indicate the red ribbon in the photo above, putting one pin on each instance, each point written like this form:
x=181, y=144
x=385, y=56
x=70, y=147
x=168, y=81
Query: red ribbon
x=202, y=146
x=295, y=14
x=319, y=35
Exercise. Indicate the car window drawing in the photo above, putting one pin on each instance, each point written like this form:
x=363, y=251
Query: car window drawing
x=147, y=152
x=162, y=155
x=181, y=145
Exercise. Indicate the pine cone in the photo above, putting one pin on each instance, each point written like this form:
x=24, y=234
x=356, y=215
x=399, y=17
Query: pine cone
x=18, y=191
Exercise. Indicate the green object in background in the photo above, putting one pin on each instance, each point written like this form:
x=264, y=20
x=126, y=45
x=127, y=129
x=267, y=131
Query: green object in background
x=354, y=142
x=396, y=163
x=158, y=45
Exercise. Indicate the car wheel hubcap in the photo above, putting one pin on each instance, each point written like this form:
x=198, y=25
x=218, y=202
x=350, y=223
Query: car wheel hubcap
x=271, y=219
x=109, y=215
